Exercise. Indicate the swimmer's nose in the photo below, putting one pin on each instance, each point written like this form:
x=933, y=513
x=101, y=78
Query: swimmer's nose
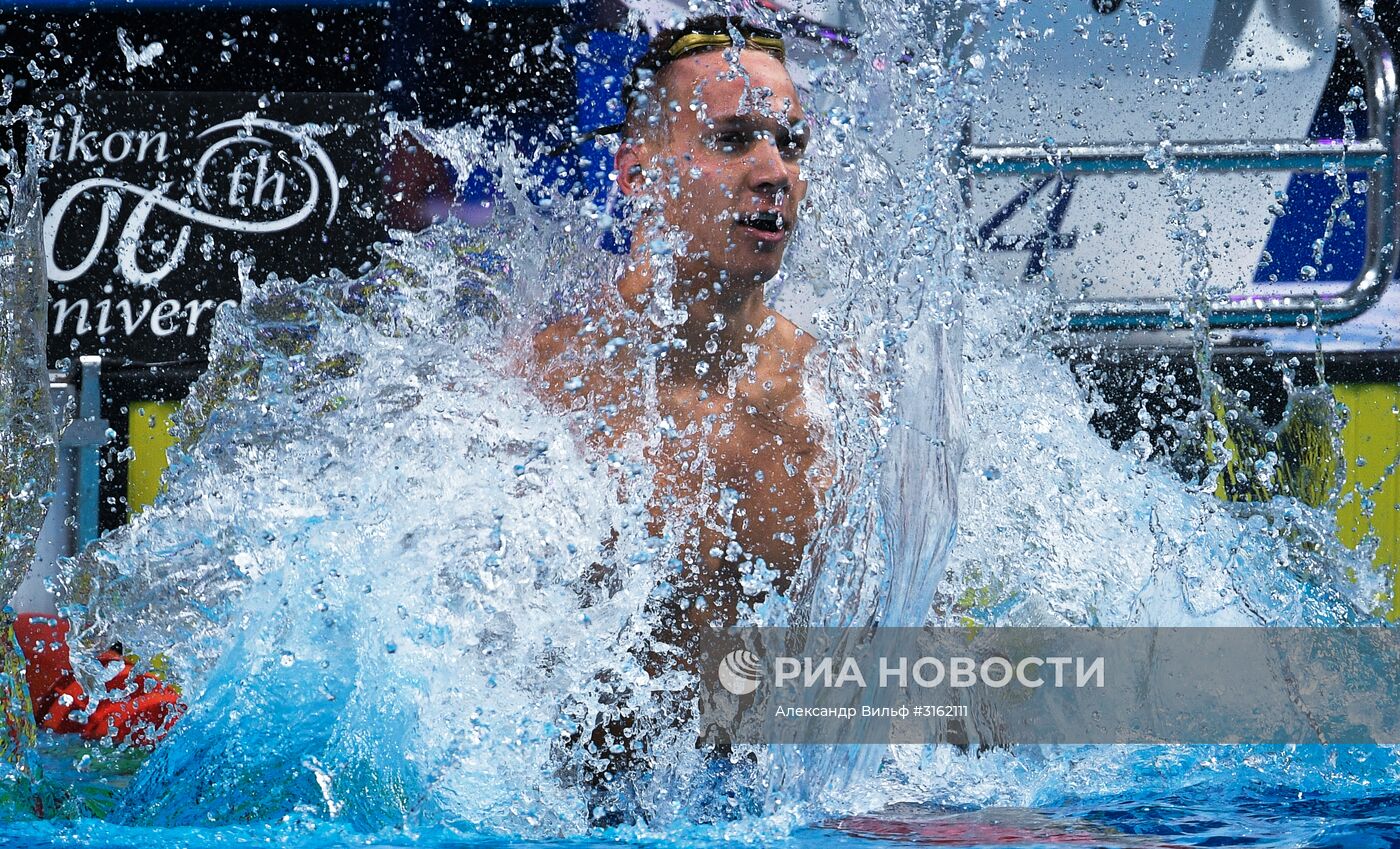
x=769, y=173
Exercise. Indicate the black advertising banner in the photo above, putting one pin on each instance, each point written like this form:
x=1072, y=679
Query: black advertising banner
x=157, y=204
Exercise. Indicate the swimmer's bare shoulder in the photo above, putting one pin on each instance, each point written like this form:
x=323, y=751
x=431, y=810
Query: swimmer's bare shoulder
x=574, y=367
x=784, y=353
x=791, y=338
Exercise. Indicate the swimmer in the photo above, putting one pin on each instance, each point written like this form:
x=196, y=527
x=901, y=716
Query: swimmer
x=711, y=155
x=711, y=159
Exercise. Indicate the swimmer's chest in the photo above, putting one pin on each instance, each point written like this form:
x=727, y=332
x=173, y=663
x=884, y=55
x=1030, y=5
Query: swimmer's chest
x=759, y=446
x=742, y=458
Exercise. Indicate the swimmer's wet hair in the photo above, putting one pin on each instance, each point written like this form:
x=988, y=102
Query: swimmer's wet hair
x=711, y=32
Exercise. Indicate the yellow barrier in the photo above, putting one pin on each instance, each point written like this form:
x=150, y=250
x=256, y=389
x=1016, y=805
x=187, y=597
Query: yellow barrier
x=150, y=437
x=1370, y=498
x=1309, y=457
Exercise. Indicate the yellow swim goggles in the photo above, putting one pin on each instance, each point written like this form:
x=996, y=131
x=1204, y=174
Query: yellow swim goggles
x=765, y=40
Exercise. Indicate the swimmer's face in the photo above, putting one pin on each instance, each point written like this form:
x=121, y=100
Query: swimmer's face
x=723, y=165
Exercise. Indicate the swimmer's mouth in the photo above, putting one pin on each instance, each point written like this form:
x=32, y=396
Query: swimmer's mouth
x=767, y=222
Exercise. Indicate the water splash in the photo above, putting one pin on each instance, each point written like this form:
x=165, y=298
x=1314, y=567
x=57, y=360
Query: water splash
x=28, y=449
x=361, y=561
x=372, y=568
x=374, y=549
x=143, y=58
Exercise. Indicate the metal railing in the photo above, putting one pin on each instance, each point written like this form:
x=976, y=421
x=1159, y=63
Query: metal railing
x=1377, y=155
x=82, y=441
x=77, y=398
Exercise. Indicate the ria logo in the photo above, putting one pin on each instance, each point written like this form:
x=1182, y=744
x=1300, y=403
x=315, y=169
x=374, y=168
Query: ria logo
x=740, y=672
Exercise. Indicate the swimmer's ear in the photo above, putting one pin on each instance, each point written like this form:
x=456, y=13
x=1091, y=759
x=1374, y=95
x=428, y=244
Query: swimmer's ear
x=627, y=162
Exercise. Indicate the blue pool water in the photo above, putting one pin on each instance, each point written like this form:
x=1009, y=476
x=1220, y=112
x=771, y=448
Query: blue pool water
x=1255, y=815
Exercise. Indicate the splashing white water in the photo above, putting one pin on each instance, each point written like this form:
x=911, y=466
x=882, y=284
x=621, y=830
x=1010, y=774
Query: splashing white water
x=144, y=58
x=371, y=566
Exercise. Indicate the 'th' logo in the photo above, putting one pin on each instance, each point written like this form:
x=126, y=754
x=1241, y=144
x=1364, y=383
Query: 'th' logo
x=248, y=152
x=740, y=672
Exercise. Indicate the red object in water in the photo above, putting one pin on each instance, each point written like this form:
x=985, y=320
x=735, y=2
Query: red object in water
x=143, y=715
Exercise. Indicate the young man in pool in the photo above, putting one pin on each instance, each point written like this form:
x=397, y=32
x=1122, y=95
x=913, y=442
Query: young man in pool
x=711, y=158
x=711, y=154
